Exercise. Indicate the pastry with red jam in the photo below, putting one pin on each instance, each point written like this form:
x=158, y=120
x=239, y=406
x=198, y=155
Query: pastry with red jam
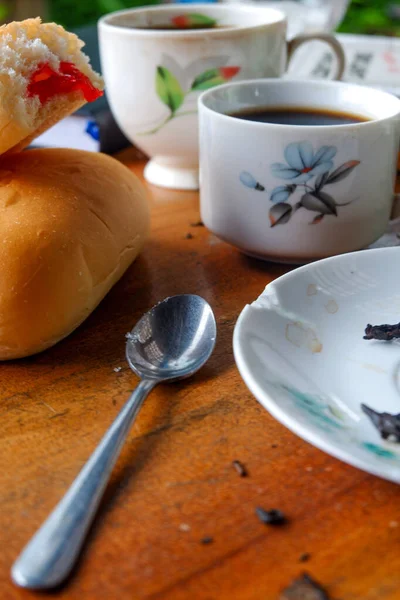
x=44, y=77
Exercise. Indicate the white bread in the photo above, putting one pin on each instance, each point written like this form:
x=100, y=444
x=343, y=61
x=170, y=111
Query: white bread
x=71, y=222
x=24, y=48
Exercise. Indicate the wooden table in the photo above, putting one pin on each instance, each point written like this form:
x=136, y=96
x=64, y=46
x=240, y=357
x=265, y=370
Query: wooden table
x=174, y=484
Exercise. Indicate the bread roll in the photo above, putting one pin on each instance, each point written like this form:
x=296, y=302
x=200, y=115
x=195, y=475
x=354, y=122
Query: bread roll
x=44, y=76
x=71, y=223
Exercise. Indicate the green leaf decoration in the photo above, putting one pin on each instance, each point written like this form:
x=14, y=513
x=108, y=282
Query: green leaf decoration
x=168, y=89
x=342, y=171
x=214, y=77
x=207, y=80
x=199, y=20
x=194, y=20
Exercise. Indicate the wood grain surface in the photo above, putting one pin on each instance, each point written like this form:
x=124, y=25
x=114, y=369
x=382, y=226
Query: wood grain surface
x=174, y=484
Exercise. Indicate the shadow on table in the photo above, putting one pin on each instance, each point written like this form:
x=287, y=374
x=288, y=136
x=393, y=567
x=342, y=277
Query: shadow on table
x=274, y=269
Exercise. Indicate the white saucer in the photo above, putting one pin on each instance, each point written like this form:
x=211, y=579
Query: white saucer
x=300, y=349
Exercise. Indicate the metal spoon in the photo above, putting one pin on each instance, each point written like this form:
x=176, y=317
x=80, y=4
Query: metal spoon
x=172, y=341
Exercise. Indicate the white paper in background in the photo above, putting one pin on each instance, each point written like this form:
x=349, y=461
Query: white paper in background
x=68, y=133
x=370, y=60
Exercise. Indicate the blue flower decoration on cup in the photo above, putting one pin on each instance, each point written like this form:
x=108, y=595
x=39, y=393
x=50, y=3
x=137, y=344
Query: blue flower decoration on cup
x=282, y=193
x=249, y=181
x=302, y=163
x=302, y=166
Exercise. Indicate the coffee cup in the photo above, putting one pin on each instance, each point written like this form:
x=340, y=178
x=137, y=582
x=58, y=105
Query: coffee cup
x=156, y=61
x=291, y=192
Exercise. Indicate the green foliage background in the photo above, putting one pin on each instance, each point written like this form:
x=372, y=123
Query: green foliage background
x=75, y=13
x=363, y=16
x=372, y=17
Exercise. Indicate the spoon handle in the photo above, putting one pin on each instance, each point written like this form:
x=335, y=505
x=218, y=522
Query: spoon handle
x=50, y=555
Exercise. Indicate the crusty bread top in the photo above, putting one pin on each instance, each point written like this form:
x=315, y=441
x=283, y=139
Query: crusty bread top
x=23, y=47
x=71, y=222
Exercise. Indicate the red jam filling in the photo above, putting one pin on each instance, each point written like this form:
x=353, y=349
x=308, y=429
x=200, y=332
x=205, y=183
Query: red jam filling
x=46, y=83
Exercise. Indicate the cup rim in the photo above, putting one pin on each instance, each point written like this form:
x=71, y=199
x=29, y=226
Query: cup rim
x=105, y=22
x=202, y=105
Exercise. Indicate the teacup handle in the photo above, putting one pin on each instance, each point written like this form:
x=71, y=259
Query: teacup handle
x=323, y=37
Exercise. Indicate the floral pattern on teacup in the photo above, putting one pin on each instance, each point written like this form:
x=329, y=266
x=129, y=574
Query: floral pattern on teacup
x=193, y=21
x=175, y=83
x=307, y=173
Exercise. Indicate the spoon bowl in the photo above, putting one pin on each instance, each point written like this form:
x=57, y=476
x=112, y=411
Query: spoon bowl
x=173, y=340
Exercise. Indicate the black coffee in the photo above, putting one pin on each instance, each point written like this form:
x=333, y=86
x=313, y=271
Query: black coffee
x=299, y=116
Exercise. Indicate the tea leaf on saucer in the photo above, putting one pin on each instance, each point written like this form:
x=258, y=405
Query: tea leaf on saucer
x=168, y=89
x=342, y=171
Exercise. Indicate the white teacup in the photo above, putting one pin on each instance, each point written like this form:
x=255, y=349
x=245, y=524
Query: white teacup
x=154, y=77
x=294, y=193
